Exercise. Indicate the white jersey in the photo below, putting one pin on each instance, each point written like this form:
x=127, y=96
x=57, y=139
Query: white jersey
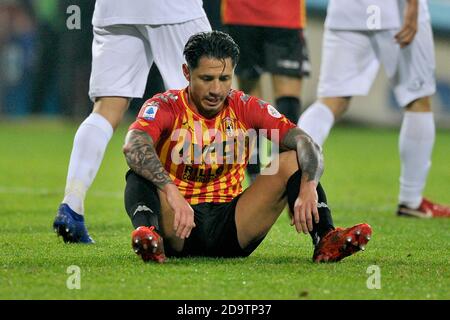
x=369, y=14
x=149, y=12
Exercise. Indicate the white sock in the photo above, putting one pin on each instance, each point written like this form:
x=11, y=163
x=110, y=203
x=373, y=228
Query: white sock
x=416, y=145
x=89, y=146
x=317, y=121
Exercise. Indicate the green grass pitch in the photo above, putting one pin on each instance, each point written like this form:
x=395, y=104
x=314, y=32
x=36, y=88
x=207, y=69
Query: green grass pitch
x=361, y=181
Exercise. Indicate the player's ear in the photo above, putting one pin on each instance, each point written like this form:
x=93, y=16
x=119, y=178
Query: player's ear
x=186, y=72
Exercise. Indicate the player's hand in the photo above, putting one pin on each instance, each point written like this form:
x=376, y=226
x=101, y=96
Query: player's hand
x=305, y=208
x=409, y=28
x=184, y=214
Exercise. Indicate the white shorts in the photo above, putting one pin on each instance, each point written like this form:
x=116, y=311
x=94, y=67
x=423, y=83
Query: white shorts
x=351, y=60
x=123, y=54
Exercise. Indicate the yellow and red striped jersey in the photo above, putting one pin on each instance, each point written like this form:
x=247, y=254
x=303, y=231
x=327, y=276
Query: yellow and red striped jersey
x=206, y=158
x=289, y=14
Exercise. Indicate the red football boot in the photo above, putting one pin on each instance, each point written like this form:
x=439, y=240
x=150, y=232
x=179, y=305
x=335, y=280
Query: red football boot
x=148, y=244
x=427, y=209
x=340, y=243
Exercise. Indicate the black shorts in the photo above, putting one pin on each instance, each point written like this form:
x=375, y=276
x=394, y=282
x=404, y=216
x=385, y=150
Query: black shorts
x=215, y=234
x=279, y=51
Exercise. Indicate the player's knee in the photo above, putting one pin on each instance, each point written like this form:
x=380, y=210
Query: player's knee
x=419, y=105
x=112, y=109
x=337, y=105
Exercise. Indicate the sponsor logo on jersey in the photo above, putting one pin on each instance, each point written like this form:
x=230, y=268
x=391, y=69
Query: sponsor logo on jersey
x=273, y=112
x=202, y=174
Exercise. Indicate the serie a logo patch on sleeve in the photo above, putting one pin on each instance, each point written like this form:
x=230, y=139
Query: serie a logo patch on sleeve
x=150, y=111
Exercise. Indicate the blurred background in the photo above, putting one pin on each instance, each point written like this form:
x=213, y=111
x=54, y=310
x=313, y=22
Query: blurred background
x=45, y=64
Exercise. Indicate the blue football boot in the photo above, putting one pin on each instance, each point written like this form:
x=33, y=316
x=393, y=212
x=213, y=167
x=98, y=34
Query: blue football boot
x=70, y=225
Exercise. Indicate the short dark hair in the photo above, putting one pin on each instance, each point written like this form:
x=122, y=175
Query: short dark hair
x=213, y=44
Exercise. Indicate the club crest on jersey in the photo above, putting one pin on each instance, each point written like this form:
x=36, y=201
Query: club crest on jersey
x=150, y=111
x=273, y=112
x=228, y=126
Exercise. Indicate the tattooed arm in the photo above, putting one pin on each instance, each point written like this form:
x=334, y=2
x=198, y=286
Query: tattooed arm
x=309, y=154
x=142, y=158
x=310, y=161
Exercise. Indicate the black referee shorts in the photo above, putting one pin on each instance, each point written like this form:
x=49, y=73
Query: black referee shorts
x=279, y=51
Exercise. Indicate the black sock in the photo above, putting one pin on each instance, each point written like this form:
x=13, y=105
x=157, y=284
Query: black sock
x=325, y=220
x=142, y=201
x=290, y=107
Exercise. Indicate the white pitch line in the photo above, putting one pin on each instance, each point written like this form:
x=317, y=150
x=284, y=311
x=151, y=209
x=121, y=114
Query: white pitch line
x=46, y=191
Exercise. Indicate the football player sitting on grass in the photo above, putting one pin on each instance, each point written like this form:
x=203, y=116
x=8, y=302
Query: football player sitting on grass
x=187, y=152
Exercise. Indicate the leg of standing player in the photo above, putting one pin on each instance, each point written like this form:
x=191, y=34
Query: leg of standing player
x=253, y=87
x=416, y=140
x=340, y=78
x=287, y=91
x=128, y=49
x=413, y=85
x=319, y=118
x=112, y=89
x=287, y=60
x=248, y=72
x=124, y=48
